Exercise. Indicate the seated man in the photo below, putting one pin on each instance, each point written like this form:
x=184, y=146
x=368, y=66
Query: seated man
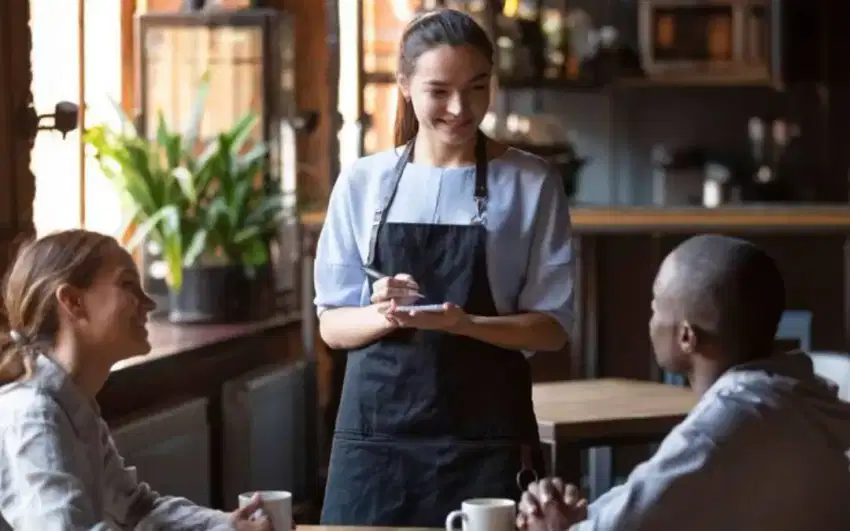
x=766, y=447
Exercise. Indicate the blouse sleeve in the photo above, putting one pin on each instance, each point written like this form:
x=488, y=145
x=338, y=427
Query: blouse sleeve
x=133, y=505
x=338, y=273
x=42, y=480
x=548, y=284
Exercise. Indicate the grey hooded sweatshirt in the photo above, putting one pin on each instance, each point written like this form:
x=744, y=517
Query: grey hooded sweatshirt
x=765, y=449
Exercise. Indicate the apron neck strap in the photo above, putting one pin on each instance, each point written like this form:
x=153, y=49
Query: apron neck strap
x=380, y=216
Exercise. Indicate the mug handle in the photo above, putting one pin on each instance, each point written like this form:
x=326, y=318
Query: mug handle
x=451, y=519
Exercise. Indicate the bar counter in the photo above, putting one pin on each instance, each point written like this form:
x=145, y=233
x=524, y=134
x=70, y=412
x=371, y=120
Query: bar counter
x=628, y=219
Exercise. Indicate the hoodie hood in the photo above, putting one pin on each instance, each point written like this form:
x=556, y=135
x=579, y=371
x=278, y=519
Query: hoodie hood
x=797, y=382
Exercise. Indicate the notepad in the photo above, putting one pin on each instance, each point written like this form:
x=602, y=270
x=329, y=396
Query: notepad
x=422, y=308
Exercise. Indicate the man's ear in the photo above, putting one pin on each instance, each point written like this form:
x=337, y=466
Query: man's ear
x=69, y=302
x=687, y=338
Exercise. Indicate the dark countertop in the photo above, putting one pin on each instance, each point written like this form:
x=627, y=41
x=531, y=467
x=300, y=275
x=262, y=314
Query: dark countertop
x=169, y=340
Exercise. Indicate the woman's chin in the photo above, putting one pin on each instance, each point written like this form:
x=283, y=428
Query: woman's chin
x=140, y=347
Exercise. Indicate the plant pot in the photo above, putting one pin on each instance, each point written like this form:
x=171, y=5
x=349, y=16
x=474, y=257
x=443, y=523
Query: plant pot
x=222, y=294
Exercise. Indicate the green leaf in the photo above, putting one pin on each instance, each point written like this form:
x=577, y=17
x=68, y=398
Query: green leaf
x=255, y=254
x=246, y=234
x=196, y=247
x=170, y=143
x=186, y=181
x=127, y=125
x=167, y=216
x=190, y=135
x=241, y=132
x=172, y=255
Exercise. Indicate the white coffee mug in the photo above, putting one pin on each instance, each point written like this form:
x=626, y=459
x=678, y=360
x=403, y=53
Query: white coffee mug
x=277, y=506
x=484, y=514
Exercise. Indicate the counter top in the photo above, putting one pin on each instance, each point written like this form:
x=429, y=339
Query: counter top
x=169, y=340
x=762, y=218
x=757, y=218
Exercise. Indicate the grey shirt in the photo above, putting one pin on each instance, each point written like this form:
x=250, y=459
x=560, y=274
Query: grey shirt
x=59, y=469
x=766, y=449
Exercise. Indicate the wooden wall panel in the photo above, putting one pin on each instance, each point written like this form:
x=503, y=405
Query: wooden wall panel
x=16, y=180
x=312, y=92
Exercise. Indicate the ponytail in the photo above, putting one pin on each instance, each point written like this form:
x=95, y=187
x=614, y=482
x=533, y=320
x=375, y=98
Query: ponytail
x=15, y=359
x=406, y=125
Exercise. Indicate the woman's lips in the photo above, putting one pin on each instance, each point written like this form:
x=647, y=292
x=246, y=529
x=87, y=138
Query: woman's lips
x=456, y=125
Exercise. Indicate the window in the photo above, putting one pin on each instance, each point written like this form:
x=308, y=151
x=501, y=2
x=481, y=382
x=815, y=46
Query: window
x=56, y=66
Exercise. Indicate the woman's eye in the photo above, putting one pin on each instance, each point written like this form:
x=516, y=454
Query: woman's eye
x=131, y=285
x=481, y=87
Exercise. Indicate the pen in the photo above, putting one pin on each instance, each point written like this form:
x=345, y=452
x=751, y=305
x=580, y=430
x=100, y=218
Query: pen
x=374, y=274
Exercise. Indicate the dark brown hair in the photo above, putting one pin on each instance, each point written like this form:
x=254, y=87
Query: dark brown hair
x=29, y=293
x=425, y=32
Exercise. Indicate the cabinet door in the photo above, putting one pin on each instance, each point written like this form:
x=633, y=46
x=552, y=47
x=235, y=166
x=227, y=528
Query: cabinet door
x=170, y=450
x=269, y=437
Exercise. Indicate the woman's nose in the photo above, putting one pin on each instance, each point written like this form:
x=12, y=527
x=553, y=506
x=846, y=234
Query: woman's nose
x=455, y=105
x=147, y=304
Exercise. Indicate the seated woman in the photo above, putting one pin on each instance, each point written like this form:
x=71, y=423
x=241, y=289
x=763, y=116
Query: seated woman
x=75, y=306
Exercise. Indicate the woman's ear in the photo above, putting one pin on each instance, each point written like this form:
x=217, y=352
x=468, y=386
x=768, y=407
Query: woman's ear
x=404, y=86
x=69, y=302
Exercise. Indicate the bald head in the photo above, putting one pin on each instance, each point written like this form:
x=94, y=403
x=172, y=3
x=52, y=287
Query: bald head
x=726, y=287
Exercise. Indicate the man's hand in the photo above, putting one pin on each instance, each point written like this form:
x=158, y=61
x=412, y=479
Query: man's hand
x=550, y=505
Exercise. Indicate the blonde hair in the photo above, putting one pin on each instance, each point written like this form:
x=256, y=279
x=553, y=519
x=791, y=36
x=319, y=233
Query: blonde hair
x=29, y=293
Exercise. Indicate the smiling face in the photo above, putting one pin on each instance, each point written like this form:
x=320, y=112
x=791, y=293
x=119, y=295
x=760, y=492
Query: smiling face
x=450, y=92
x=107, y=316
x=116, y=308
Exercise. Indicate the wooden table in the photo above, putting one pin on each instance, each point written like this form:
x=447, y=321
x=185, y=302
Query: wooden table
x=588, y=414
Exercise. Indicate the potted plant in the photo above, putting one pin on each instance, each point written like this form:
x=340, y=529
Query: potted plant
x=211, y=214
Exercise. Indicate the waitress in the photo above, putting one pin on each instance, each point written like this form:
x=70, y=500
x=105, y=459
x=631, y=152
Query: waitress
x=436, y=406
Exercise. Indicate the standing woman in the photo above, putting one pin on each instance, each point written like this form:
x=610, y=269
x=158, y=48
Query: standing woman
x=436, y=406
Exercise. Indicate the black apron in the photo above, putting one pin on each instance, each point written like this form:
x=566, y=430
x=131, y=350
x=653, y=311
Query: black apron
x=429, y=419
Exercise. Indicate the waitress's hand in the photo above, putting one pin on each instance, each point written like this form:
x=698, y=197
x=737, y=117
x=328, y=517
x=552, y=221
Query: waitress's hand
x=401, y=288
x=450, y=319
x=390, y=291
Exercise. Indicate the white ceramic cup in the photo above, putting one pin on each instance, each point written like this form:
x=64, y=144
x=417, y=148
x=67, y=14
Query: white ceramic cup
x=277, y=506
x=484, y=514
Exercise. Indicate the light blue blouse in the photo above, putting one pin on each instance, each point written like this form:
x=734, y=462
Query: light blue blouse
x=529, y=251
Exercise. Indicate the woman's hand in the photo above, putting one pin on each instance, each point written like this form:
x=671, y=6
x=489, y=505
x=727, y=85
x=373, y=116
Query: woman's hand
x=400, y=288
x=388, y=292
x=246, y=519
x=450, y=319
